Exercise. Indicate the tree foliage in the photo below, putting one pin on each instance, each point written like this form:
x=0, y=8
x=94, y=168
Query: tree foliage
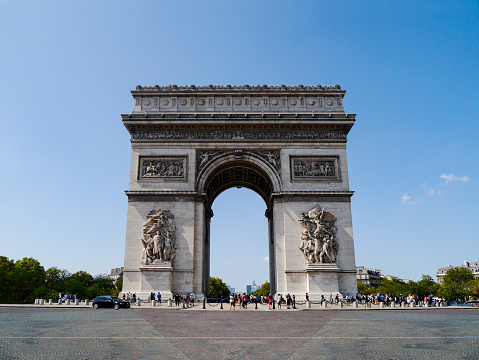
x=218, y=287
x=457, y=284
x=263, y=290
x=362, y=288
x=29, y=275
x=26, y=279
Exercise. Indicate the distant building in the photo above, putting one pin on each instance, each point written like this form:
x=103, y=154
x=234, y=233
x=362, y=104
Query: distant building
x=231, y=289
x=116, y=273
x=370, y=277
x=401, y=281
x=442, y=271
x=251, y=288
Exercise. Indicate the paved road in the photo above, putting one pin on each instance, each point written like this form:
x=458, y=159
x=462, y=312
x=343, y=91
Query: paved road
x=69, y=333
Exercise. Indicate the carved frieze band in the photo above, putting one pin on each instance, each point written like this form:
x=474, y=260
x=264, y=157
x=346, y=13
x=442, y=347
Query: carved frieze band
x=314, y=168
x=163, y=167
x=238, y=135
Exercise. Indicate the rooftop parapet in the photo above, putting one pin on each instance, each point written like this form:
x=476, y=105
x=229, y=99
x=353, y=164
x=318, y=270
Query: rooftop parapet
x=242, y=99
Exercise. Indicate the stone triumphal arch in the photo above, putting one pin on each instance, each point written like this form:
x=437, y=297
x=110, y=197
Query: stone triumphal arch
x=287, y=143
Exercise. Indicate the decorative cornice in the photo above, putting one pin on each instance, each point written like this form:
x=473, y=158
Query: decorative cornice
x=239, y=135
x=228, y=88
x=311, y=116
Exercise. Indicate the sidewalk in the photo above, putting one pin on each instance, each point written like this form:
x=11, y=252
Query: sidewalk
x=251, y=307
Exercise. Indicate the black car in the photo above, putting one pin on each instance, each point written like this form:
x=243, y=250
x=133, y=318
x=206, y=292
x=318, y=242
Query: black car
x=108, y=301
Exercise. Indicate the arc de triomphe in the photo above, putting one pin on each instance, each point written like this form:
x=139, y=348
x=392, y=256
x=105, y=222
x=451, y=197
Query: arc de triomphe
x=287, y=143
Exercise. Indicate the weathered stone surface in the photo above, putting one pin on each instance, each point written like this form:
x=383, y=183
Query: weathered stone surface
x=287, y=143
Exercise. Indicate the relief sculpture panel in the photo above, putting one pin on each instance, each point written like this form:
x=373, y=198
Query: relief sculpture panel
x=164, y=167
x=159, y=238
x=318, y=243
x=311, y=168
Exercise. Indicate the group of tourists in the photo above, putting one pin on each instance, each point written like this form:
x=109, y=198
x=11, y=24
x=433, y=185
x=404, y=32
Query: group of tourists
x=242, y=300
x=386, y=299
x=409, y=300
x=188, y=299
x=131, y=298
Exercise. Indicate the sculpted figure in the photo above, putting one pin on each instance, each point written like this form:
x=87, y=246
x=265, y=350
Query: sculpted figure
x=150, y=170
x=159, y=236
x=317, y=239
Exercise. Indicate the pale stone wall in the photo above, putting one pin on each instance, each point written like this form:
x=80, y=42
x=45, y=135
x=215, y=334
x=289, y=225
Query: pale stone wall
x=178, y=113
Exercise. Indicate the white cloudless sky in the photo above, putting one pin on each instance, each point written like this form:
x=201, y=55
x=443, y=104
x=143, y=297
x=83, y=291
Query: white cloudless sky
x=411, y=71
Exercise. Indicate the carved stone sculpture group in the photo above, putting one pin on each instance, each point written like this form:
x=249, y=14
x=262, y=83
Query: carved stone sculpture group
x=313, y=168
x=318, y=243
x=162, y=168
x=159, y=238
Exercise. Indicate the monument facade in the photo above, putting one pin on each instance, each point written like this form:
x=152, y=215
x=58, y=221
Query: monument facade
x=287, y=143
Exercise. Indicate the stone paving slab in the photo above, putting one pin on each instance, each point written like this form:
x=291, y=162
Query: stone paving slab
x=156, y=333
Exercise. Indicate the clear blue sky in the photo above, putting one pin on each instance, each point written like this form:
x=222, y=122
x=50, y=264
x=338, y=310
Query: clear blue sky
x=410, y=68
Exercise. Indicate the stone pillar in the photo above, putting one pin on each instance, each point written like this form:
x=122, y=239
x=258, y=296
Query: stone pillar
x=50, y=301
x=308, y=304
x=87, y=302
x=355, y=304
x=324, y=304
x=153, y=302
x=77, y=301
x=170, y=303
x=60, y=302
x=393, y=304
x=340, y=304
x=381, y=305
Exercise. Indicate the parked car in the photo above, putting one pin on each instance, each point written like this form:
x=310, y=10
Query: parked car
x=68, y=296
x=471, y=303
x=108, y=301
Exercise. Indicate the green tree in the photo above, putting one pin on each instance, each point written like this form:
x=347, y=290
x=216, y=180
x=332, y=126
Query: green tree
x=56, y=282
x=7, y=267
x=427, y=286
x=474, y=289
x=362, y=288
x=456, y=284
x=29, y=275
x=78, y=284
x=263, y=290
x=218, y=287
x=118, y=286
x=101, y=285
x=392, y=287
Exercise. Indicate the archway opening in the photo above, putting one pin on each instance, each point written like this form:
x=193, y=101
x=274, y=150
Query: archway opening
x=243, y=170
x=239, y=249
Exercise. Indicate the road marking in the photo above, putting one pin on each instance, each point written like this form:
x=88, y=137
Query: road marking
x=239, y=337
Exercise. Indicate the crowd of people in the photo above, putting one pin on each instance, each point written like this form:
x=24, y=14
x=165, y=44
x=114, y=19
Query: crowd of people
x=241, y=301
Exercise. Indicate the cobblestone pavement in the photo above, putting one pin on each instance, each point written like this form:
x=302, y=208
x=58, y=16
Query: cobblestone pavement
x=153, y=333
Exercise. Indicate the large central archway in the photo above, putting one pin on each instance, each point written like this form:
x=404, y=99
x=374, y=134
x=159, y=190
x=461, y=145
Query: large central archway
x=238, y=169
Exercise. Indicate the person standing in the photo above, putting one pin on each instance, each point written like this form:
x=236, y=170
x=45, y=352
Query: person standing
x=288, y=301
x=270, y=301
x=245, y=301
x=232, y=301
x=177, y=299
x=158, y=297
